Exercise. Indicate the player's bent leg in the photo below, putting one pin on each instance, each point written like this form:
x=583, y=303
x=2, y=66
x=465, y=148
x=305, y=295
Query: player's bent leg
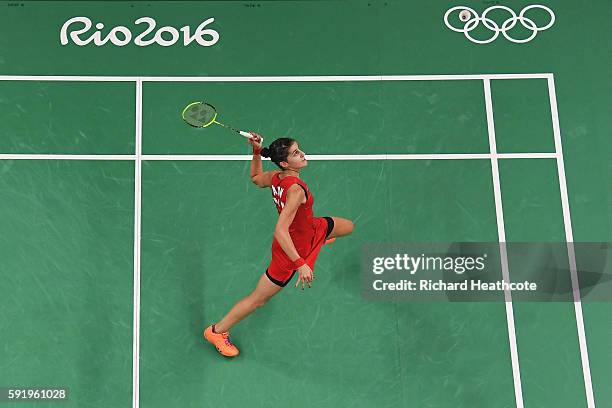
x=262, y=293
x=342, y=227
x=218, y=334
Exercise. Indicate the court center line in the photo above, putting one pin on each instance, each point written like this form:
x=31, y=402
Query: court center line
x=569, y=238
x=501, y=233
x=137, y=225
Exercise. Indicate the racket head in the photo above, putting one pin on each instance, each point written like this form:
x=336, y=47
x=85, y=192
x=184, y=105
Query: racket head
x=199, y=114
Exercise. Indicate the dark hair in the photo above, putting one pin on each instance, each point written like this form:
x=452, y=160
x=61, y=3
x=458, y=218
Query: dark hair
x=278, y=150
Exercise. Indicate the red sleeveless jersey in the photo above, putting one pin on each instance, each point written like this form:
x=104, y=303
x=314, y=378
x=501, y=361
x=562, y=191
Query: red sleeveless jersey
x=307, y=231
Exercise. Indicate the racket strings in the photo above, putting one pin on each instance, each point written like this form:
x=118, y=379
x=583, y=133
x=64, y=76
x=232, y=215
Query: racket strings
x=200, y=114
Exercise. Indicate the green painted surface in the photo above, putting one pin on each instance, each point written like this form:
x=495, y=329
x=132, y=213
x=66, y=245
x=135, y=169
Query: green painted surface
x=67, y=117
x=523, y=123
x=66, y=309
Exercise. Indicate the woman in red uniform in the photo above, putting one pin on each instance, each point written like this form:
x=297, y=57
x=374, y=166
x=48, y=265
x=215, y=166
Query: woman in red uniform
x=298, y=236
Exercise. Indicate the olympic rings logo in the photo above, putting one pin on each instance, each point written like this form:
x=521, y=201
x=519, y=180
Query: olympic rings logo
x=474, y=20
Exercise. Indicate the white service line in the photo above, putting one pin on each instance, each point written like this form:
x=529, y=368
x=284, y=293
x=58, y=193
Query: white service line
x=407, y=156
x=526, y=155
x=342, y=157
x=201, y=157
x=463, y=77
x=137, y=222
x=247, y=157
x=288, y=78
x=73, y=78
x=345, y=78
x=569, y=239
x=26, y=156
x=501, y=233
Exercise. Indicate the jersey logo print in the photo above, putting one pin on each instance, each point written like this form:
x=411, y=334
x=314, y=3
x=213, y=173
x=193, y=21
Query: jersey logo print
x=277, y=193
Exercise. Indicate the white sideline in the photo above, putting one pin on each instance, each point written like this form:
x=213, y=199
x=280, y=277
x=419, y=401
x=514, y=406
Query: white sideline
x=137, y=223
x=501, y=234
x=569, y=239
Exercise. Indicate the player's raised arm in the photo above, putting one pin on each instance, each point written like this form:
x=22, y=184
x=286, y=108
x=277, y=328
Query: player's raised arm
x=258, y=176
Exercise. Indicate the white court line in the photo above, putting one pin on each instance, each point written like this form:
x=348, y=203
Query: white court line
x=501, y=233
x=248, y=157
x=569, y=238
x=202, y=157
x=345, y=78
x=73, y=78
x=342, y=157
x=137, y=221
x=290, y=78
x=430, y=156
x=26, y=156
x=526, y=155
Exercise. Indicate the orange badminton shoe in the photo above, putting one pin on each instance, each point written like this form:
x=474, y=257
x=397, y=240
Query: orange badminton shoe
x=221, y=342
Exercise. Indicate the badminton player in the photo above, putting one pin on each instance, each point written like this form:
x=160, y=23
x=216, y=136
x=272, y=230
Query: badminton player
x=298, y=236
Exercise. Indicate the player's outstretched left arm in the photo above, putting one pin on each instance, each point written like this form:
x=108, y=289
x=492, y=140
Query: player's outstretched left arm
x=295, y=198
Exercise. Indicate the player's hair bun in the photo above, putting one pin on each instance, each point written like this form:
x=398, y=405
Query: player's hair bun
x=278, y=150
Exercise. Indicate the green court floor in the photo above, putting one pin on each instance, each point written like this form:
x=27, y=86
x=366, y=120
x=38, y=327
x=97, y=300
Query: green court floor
x=116, y=250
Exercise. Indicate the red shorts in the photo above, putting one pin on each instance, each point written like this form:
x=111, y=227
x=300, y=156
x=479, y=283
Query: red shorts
x=280, y=270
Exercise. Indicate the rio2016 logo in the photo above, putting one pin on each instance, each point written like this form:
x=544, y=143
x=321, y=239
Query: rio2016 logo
x=121, y=36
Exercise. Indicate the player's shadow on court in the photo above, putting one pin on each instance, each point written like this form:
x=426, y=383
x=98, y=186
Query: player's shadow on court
x=192, y=273
x=344, y=272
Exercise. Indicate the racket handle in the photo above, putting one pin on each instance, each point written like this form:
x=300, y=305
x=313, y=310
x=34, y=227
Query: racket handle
x=248, y=135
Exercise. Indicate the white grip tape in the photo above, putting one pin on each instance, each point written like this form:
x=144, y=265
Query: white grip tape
x=248, y=135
